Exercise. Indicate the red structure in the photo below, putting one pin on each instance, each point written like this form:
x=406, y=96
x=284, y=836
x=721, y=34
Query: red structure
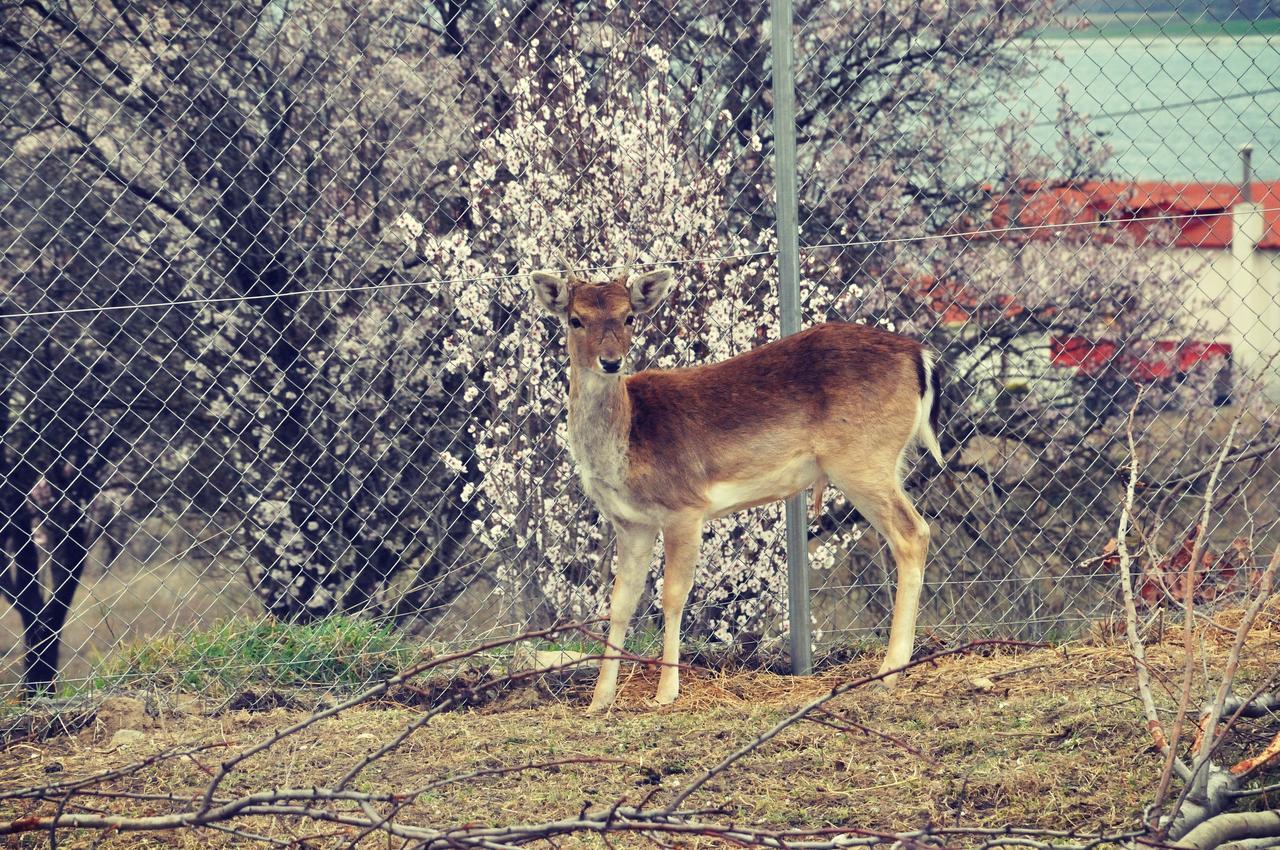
x=1199, y=211
x=1170, y=360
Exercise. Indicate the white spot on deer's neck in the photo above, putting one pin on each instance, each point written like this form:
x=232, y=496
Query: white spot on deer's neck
x=599, y=426
x=599, y=435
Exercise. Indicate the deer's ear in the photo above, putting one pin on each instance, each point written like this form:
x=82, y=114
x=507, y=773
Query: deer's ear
x=552, y=290
x=649, y=289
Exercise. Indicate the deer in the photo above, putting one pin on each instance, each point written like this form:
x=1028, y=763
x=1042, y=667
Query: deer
x=664, y=451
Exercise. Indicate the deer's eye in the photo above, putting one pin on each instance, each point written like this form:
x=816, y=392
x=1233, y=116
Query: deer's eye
x=631, y=320
x=575, y=322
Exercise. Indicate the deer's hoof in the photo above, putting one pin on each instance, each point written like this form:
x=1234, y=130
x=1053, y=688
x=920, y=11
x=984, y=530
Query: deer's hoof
x=886, y=684
x=664, y=697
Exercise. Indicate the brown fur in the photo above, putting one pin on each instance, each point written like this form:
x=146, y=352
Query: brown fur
x=713, y=422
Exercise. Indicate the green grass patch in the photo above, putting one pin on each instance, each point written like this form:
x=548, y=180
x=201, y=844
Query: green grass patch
x=640, y=641
x=333, y=652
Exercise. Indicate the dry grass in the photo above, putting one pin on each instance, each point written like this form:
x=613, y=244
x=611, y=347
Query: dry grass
x=1052, y=738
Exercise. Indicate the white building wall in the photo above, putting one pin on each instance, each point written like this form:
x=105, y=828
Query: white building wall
x=1240, y=288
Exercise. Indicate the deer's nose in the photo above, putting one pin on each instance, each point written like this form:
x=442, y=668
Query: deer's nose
x=610, y=366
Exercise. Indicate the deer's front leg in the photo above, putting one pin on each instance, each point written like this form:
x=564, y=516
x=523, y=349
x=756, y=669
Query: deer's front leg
x=635, y=549
x=680, y=541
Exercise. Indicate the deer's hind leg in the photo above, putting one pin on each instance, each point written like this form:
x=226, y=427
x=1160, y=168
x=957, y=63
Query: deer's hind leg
x=876, y=491
x=681, y=538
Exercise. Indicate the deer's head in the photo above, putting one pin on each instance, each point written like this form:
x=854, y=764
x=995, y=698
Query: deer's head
x=600, y=317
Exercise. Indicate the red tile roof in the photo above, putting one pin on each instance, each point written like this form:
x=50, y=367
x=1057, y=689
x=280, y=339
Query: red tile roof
x=1202, y=209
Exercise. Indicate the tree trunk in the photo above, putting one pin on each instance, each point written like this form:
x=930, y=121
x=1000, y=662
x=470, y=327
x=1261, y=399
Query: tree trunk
x=23, y=587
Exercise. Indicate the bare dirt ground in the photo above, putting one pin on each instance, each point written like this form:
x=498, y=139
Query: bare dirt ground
x=1050, y=738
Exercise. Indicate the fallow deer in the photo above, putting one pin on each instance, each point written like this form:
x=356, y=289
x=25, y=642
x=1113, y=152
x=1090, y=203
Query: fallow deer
x=667, y=450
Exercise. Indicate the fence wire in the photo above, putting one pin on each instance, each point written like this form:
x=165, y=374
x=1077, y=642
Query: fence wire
x=278, y=407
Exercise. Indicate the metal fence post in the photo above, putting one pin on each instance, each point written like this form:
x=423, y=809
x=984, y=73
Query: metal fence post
x=784, y=162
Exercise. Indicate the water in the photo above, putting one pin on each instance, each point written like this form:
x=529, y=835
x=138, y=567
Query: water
x=1116, y=76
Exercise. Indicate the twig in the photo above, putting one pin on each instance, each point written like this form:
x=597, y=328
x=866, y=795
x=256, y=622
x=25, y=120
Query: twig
x=1254, y=792
x=79, y=785
x=1136, y=647
x=382, y=687
x=244, y=833
x=511, y=678
x=488, y=772
x=842, y=722
x=1269, y=754
x=1214, y=715
x=1188, y=631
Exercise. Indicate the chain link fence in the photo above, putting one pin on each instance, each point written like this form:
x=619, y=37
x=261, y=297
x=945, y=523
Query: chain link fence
x=277, y=405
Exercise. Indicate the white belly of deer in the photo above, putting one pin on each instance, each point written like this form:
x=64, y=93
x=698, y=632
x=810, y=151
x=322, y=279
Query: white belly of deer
x=725, y=497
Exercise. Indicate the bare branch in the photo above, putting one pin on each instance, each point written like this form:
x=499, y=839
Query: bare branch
x=1234, y=826
x=1136, y=647
x=377, y=690
x=842, y=722
x=1189, y=622
x=1214, y=715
